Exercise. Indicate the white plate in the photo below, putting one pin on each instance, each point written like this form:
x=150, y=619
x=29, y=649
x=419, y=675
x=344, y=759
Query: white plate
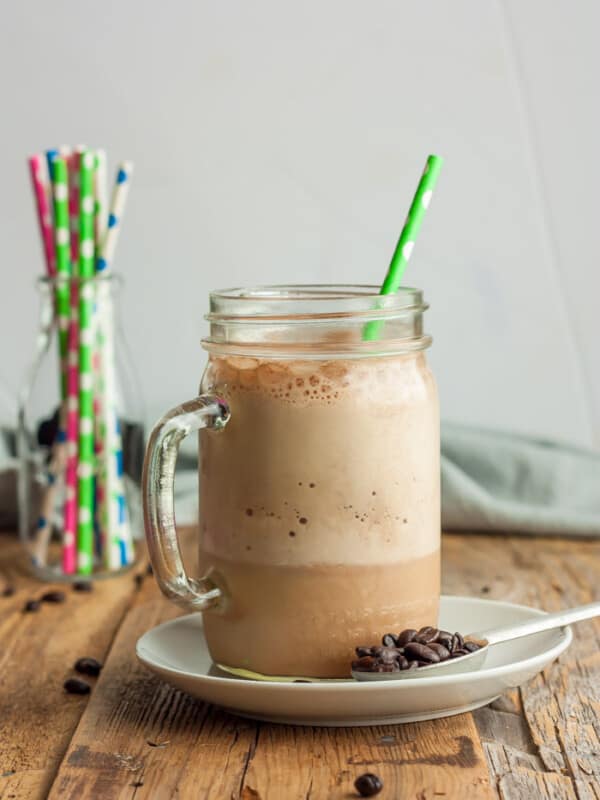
x=177, y=652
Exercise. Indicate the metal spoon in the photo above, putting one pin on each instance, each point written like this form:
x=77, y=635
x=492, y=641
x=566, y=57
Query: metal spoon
x=487, y=639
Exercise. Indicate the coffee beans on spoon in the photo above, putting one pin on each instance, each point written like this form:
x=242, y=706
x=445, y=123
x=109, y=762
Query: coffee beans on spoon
x=411, y=649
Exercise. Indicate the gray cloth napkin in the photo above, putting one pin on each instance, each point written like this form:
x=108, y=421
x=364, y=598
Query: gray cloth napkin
x=493, y=481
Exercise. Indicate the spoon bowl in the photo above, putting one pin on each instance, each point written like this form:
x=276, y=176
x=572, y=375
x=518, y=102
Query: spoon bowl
x=453, y=666
x=473, y=661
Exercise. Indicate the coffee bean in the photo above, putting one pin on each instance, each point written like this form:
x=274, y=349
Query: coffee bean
x=389, y=640
x=88, y=666
x=406, y=636
x=403, y=662
x=444, y=638
x=83, y=586
x=457, y=642
x=426, y=635
x=53, y=597
x=472, y=647
x=364, y=664
x=417, y=651
x=442, y=651
x=389, y=655
x=382, y=667
x=368, y=785
x=149, y=570
x=459, y=652
x=47, y=430
x=413, y=665
x=8, y=591
x=461, y=641
x=31, y=605
x=363, y=651
x=76, y=686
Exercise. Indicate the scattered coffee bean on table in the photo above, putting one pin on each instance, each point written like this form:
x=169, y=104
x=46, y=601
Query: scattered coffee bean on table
x=8, y=591
x=411, y=649
x=88, y=666
x=76, y=686
x=368, y=785
x=83, y=586
x=53, y=597
x=31, y=605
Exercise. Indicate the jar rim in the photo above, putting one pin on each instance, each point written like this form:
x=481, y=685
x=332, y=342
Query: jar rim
x=44, y=281
x=315, y=321
x=301, y=303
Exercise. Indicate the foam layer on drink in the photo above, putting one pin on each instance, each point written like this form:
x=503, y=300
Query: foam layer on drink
x=332, y=462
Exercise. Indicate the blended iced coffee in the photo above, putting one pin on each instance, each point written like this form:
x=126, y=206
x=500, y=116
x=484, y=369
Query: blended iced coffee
x=319, y=508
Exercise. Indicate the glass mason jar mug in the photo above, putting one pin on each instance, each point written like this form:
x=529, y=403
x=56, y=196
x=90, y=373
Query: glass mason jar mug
x=51, y=504
x=319, y=478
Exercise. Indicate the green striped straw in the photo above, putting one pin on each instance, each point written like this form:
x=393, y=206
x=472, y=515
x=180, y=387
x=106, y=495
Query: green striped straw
x=60, y=195
x=85, y=527
x=407, y=239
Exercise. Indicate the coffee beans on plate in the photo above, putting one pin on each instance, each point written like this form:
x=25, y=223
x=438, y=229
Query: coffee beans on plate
x=411, y=649
x=368, y=785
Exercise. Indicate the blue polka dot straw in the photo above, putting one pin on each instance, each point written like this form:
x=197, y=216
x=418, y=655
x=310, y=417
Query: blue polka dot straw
x=119, y=550
x=117, y=206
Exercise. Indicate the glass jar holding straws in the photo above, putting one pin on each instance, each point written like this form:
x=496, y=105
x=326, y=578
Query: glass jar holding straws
x=80, y=417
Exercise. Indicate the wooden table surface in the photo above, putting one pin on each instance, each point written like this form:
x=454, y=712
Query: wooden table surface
x=134, y=736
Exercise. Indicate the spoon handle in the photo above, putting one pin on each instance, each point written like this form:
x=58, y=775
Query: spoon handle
x=557, y=619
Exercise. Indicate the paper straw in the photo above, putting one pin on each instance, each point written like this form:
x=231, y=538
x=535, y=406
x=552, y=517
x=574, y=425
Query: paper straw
x=100, y=225
x=100, y=201
x=73, y=167
x=407, y=239
x=60, y=192
x=56, y=467
x=117, y=207
x=58, y=171
x=69, y=551
x=50, y=156
x=85, y=527
x=120, y=548
x=41, y=189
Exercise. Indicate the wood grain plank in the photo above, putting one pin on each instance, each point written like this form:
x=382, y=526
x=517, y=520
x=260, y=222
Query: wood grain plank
x=37, y=652
x=441, y=758
x=140, y=738
x=546, y=743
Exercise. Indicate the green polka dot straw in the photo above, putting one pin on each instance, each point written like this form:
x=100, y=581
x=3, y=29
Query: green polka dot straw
x=85, y=527
x=407, y=239
x=60, y=195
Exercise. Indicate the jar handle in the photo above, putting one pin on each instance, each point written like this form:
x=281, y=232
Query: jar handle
x=205, y=411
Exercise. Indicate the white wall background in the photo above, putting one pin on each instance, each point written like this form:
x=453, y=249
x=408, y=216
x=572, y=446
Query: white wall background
x=281, y=142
